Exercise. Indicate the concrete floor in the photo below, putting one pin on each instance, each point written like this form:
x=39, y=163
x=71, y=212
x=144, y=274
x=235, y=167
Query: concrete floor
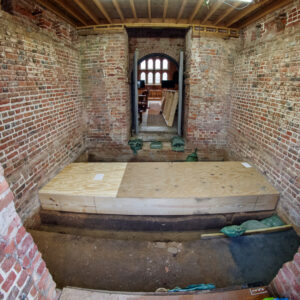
x=141, y=265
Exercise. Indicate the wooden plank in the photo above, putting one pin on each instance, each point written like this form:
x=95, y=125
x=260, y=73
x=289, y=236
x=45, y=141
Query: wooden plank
x=79, y=179
x=227, y=12
x=196, y=10
x=257, y=293
x=87, y=11
x=183, y=4
x=103, y=10
x=159, y=189
x=149, y=10
x=133, y=9
x=173, y=109
x=165, y=10
x=248, y=232
x=213, y=9
x=118, y=9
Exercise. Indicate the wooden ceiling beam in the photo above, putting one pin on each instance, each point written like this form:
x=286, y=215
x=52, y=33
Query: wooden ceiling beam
x=133, y=9
x=196, y=10
x=165, y=10
x=83, y=7
x=103, y=10
x=212, y=10
x=183, y=4
x=118, y=9
x=149, y=10
x=227, y=12
x=53, y=10
x=71, y=12
x=249, y=9
x=273, y=7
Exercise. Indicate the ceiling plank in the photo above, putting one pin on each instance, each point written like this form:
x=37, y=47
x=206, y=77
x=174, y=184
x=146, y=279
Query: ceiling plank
x=165, y=10
x=183, y=4
x=196, y=10
x=149, y=10
x=83, y=7
x=212, y=10
x=133, y=9
x=71, y=12
x=103, y=10
x=118, y=9
x=227, y=12
x=246, y=12
x=263, y=13
x=50, y=8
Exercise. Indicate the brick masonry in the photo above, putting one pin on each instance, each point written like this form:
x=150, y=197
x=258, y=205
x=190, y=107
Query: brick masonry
x=40, y=103
x=287, y=282
x=23, y=273
x=208, y=76
x=105, y=89
x=265, y=121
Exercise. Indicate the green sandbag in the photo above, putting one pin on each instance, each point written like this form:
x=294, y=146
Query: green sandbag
x=272, y=221
x=194, y=287
x=233, y=230
x=135, y=145
x=177, y=144
x=156, y=145
x=252, y=225
x=193, y=156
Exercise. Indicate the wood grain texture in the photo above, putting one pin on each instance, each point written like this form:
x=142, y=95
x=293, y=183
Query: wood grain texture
x=184, y=188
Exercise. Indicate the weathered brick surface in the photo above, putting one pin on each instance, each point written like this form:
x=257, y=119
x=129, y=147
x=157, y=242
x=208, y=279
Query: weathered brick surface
x=208, y=77
x=21, y=266
x=265, y=111
x=40, y=104
x=105, y=89
x=287, y=281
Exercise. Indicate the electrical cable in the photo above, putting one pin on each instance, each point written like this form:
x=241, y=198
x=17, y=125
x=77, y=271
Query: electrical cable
x=237, y=8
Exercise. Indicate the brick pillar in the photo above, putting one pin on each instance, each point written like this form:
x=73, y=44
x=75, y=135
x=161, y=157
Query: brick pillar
x=23, y=273
x=287, y=281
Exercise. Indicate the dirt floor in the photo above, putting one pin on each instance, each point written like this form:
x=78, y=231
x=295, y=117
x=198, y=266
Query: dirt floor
x=141, y=265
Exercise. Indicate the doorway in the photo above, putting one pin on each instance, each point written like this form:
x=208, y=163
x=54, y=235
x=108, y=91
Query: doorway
x=157, y=94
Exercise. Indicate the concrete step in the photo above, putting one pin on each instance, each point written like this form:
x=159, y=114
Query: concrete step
x=148, y=136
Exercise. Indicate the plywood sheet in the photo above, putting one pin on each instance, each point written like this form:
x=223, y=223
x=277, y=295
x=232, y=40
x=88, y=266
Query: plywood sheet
x=183, y=188
x=80, y=179
x=192, y=180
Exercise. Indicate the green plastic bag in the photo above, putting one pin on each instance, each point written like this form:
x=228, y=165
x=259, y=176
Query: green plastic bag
x=233, y=230
x=135, y=145
x=252, y=225
x=194, y=287
x=193, y=156
x=272, y=221
x=156, y=145
x=177, y=144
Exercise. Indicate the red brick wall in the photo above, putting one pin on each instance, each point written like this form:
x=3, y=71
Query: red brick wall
x=265, y=120
x=40, y=104
x=23, y=273
x=105, y=89
x=287, y=282
x=208, y=77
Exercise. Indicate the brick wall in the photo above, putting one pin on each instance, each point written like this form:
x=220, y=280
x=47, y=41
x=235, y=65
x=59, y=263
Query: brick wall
x=40, y=106
x=105, y=90
x=265, y=122
x=287, y=281
x=23, y=273
x=208, y=77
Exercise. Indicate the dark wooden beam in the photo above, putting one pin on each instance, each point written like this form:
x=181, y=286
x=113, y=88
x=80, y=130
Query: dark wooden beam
x=149, y=10
x=87, y=11
x=103, y=10
x=56, y=12
x=165, y=10
x=273, y=7
x=118, y=9
x=133, y=9
x=183, y=4
x=249, y=9
x=196, y=10
x=70, y=11
x=212, y=10
x=227, y=12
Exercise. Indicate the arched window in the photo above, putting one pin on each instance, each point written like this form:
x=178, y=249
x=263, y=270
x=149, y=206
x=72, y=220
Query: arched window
x=165, y=64
x=165, y=76
x=143, y=76
x=150, y=64
x=143, y=65
x=157, y=77
x=150, y=78
x=157, y=64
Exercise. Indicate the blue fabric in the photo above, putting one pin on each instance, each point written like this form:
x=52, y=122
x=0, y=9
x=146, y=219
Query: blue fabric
x=194, y=287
